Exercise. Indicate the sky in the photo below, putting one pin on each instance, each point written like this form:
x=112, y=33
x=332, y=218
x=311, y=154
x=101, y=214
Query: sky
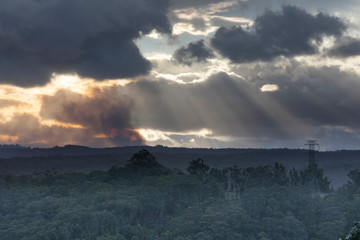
x=180, y=73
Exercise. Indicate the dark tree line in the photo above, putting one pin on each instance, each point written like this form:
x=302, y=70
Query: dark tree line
x=237, y=180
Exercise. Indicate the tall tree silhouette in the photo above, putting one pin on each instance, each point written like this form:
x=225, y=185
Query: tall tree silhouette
x=145, y=162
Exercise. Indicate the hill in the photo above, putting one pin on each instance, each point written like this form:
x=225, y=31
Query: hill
x=17, y=160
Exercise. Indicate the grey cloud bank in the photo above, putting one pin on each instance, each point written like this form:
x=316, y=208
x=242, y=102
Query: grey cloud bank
x=288, y=32
x=89, y=38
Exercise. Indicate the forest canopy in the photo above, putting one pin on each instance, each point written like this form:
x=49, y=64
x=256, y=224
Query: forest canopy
x=143, y=200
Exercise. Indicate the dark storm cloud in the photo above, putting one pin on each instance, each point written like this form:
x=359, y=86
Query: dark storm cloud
x=285, y=33
x=194, y=52
x=106, y=112
x=347, y=47
x=309, y=99
x=93, y=38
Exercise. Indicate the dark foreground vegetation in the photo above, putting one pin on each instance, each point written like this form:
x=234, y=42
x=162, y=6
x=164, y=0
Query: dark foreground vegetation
x=143, y=200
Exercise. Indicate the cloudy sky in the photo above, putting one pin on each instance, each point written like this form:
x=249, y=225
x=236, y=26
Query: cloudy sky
x=192, y=73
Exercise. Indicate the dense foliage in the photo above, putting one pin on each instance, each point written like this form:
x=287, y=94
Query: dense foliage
x=354, y=233
x=145, y=201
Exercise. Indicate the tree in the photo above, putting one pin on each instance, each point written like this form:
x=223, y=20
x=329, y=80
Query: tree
x=313, y=177
x=199, y=168
x=353, y=182
x=220, y=176
x=354, y=233
x=144, y=162
x=290, y=228
x=280, y=176
x=354, y=177
x=295, y=179
x=236, y=179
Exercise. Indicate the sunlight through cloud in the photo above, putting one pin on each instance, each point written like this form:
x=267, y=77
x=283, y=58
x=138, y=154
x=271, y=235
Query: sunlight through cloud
x=269, y=88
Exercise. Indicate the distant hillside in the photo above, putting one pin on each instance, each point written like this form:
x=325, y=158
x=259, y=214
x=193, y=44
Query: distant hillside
x=19, y=160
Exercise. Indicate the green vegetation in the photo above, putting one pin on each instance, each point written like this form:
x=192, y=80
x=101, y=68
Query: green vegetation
x=354, y=233
x=145, y=201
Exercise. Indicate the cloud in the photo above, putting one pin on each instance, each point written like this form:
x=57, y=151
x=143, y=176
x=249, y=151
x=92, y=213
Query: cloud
x=91, y=38
x=26, y=129
x=347, y=47
x=106, y=114
x=223, y=21
x=269, y=88
x=193, y=52
x=308, y=100
x=4, y=103
x=202, y=17
x=289, y=32
x=228, y=106
x=198, y=23
x=324, y=96
x=179, y=4
x=100, y=117
x=346, y=9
